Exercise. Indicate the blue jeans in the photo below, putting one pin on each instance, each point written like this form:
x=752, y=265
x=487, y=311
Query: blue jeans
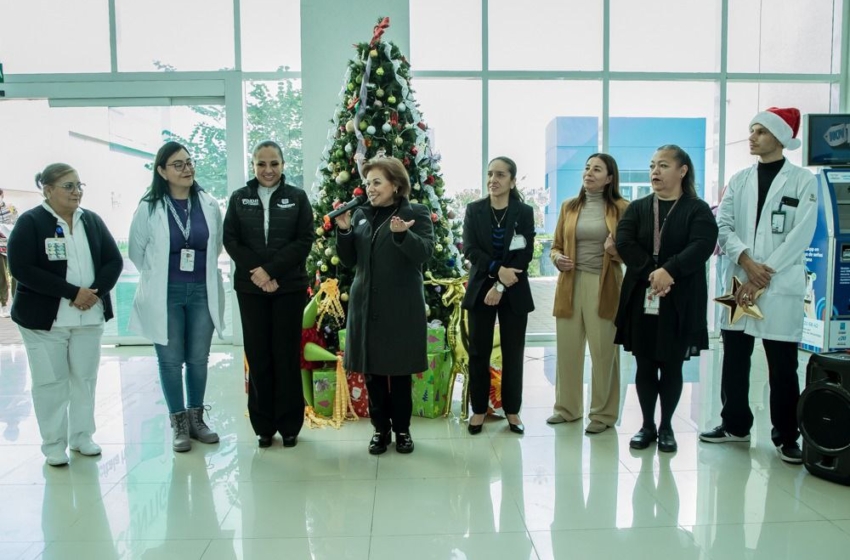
x=190, y=330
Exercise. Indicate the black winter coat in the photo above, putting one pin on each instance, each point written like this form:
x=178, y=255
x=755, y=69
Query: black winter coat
x=688, y=238
x=41, y=282
x=386, y=326
x=290, y=239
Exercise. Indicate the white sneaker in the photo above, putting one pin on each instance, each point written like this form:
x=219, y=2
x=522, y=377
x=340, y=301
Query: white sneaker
x=5, y=311
x=57, y=459
x=88, y=448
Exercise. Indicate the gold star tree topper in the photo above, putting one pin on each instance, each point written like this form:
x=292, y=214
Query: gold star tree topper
x=737, y=311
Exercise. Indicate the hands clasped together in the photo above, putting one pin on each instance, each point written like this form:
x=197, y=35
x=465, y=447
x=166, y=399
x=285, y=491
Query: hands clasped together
x=262, y=280
x=758, y=278
x=86, y=299
x=507, y=277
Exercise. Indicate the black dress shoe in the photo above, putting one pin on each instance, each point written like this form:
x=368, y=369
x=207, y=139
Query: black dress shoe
x=516, y=428
x=379, y=442
x=667, y=441
x=403, y=443
x=474, y=429
x=264, y=441
x=290, y=441
x=643, y=438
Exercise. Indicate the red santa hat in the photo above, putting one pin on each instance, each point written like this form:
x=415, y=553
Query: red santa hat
x=784, y=123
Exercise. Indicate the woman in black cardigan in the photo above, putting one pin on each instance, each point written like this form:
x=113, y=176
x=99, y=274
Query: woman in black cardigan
x=498, y=239
x=66, y=262
x=665, y=240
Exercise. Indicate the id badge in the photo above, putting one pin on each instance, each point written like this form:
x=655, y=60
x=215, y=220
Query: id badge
x=518, y=242
x=187, y=260
x=651, y=303
x=56, y=249
x=777, y=222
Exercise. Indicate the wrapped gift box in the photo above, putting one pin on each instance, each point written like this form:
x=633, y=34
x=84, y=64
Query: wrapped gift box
x=436, y=339
x=324, y=391
x=359, y=396
x=430, y=387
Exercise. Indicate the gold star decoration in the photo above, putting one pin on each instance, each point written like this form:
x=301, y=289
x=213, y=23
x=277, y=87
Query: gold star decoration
x=737, y=311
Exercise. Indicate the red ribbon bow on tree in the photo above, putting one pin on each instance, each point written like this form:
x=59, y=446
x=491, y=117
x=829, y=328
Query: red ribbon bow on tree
x=379, y=30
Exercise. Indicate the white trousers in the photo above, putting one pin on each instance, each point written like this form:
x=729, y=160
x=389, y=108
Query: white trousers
x=63, y=365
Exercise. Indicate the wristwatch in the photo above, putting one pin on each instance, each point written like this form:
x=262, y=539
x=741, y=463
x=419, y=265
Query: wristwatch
x=499, y=287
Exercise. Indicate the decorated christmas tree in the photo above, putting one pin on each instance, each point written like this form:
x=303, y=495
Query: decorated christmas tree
x=378, y=115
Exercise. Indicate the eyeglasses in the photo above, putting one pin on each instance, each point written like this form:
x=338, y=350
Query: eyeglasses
x=180, y=165
x=71, y=187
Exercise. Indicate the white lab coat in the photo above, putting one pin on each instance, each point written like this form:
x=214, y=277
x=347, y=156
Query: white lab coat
x=149, y=247
x=782, y=301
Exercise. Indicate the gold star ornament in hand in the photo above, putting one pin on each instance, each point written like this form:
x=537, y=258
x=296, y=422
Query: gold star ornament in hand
x=737, y=311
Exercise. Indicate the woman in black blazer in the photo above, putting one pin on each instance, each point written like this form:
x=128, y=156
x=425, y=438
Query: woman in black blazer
x=66, y=262
x=498, y=239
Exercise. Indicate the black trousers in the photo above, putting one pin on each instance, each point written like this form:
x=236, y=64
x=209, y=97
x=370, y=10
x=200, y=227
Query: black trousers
x=390, y=402
x=482, y=325
x=784, y=386
x=272, y=329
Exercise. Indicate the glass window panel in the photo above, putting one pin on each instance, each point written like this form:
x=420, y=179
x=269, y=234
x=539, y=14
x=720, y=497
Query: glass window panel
x=36, y=36
x=806, y=46
x=112, y=149
x=259, y=53
x=665, y=35
x=274, y=112
x=545, y=35
x=166, y=35
x=549, y=137
x=645, y=115
x=452, y=109
x=745, y=100
x=445, y=35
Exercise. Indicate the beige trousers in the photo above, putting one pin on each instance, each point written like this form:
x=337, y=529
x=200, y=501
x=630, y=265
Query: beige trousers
x=586, y=328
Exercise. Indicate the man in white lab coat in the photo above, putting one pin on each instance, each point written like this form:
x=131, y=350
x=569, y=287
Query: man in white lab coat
x=766, y=220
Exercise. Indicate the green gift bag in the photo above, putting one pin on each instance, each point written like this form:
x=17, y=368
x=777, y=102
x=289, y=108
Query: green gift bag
x=430, y=387
x=324, y=391
x=341, y=335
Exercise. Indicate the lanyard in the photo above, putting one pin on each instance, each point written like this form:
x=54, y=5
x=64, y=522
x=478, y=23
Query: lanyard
x=656, y=245
x=185, y=230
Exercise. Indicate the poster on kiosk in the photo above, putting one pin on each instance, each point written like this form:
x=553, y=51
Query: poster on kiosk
x=826, y=148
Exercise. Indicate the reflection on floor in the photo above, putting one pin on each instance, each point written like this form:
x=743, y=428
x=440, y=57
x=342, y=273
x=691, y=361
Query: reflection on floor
x=553, y=493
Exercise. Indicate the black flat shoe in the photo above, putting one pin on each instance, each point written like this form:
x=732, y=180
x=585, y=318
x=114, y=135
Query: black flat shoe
x=290, y=441
x=643, y=438
x=403, y=443
x=379, y=442
x=516, y=428
x=474, y=429
x=667, y=441
x=264, y=441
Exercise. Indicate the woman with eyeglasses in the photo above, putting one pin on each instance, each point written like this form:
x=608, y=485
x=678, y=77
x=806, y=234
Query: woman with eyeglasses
x=175, y=240
x=66, y=262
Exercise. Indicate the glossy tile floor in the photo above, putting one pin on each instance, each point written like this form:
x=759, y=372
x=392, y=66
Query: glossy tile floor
x=553, y=493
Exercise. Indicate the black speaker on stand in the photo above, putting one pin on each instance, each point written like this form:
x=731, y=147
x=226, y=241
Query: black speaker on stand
x=824, y=417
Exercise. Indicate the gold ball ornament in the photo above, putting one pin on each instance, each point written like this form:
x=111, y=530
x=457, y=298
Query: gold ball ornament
x=320, y=231
x=329, y=252
x=399, y=140
x=349, y=126
x=334, y=260
x=343, y=296
x=438, y=247
x=324, y=268
x=373, y=53
x=379, y=71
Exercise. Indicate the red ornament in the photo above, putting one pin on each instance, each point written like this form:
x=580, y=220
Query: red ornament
x=414, y=150
x=434, y=217
x=336, y=204
x=406, y=161
x=422, y=125
x=358, y=191
x=327, y=226
x=429, y=180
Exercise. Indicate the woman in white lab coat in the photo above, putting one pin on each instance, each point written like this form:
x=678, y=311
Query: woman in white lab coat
x=175, y=241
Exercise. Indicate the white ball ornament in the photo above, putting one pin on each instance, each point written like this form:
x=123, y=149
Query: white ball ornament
x=349, y=148
x=402, y=106
x=370, y=130
x=387, y=127
x=399, y=140
x=329, y=252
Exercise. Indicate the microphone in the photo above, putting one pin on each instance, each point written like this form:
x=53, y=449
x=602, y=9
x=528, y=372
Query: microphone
x=342, y=209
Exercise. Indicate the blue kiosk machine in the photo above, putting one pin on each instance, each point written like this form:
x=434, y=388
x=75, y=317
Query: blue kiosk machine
x=823, y=411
